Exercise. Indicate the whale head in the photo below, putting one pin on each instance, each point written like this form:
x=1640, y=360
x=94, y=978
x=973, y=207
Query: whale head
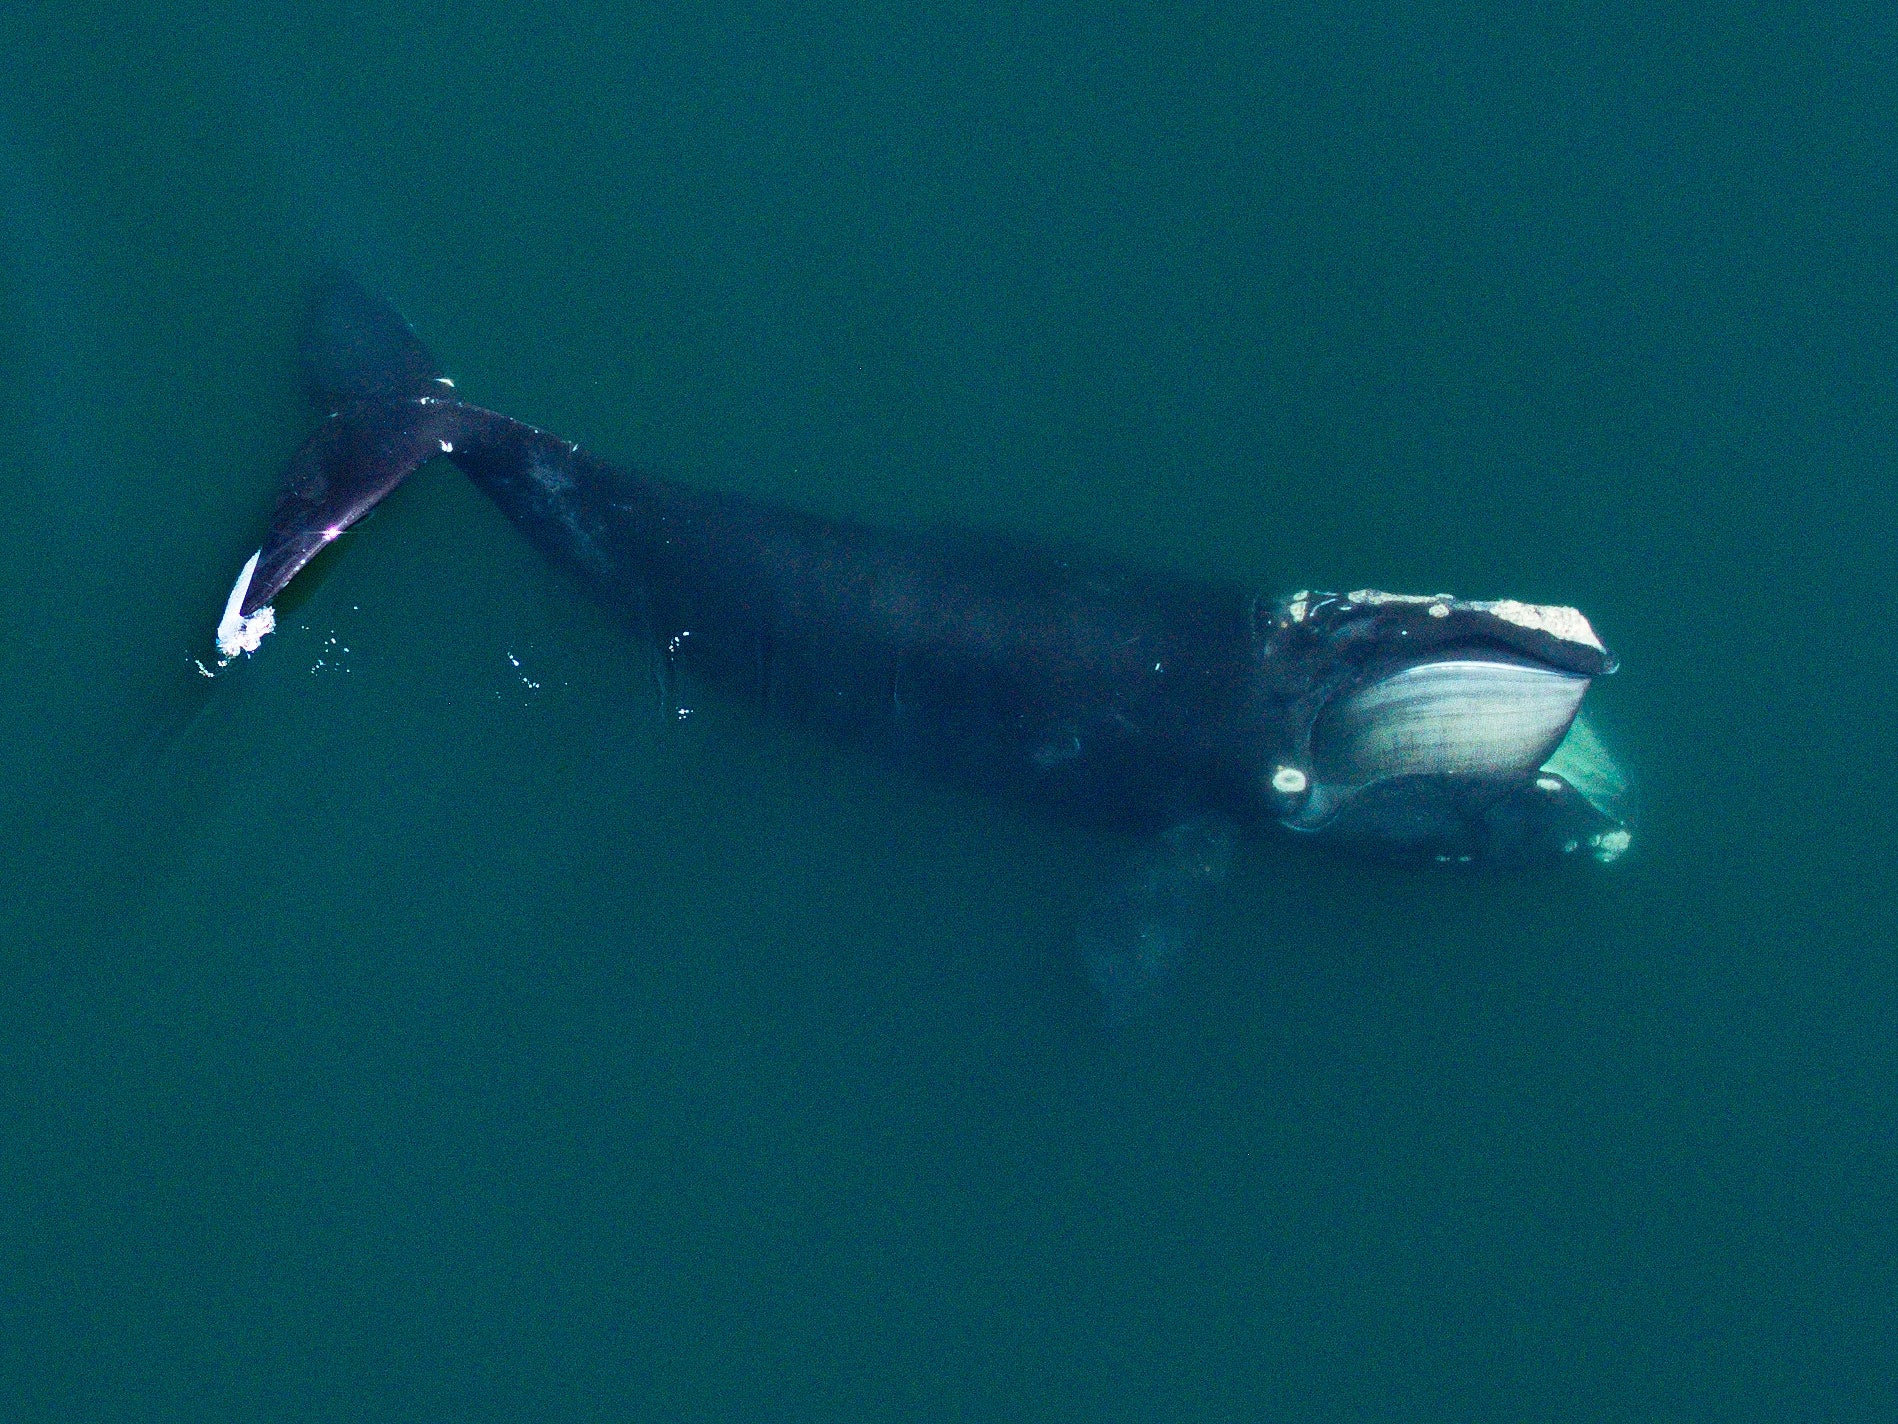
x=1447, y=730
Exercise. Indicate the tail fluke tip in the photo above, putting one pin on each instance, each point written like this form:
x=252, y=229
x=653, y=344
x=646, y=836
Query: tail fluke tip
x=236, y=632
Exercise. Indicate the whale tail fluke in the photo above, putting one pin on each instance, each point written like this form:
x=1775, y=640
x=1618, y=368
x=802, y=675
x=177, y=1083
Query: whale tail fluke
x=391, y=412
x=356, y=347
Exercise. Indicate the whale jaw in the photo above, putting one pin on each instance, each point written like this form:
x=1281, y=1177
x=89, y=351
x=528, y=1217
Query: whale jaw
x=1463, y=758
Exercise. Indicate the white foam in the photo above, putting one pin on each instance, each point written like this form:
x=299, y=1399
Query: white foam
x=236, y=633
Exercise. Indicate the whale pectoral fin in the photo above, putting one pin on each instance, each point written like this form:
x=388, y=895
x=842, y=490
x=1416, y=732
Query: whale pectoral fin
x=1133, y=938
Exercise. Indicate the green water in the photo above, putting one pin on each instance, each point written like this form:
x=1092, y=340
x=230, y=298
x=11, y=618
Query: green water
x=389, y=1031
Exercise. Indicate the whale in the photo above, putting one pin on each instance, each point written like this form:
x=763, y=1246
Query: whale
x=1415, y=726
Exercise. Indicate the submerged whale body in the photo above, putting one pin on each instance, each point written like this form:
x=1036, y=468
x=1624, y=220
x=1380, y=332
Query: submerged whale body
x=1420, y=725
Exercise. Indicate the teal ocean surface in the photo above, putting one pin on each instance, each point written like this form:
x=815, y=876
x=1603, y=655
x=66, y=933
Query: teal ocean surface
x=420, y=1021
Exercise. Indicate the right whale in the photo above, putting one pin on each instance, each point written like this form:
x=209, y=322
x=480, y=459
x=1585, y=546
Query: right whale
x=1423, y=726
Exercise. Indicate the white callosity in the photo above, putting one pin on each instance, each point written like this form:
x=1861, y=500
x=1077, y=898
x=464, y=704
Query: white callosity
x=1569, y=625
x=1374, y=597
x=1586, y=765
x=235, y=632
x=1610, y=846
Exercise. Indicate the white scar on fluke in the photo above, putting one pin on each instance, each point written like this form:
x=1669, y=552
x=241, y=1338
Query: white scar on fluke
x=236, y=633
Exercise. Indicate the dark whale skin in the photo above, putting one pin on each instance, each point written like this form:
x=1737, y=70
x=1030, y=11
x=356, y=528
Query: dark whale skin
x=1136, y=698
x=1130, y=696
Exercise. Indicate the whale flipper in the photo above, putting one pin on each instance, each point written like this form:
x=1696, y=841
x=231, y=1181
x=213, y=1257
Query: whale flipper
x=1133, y=939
